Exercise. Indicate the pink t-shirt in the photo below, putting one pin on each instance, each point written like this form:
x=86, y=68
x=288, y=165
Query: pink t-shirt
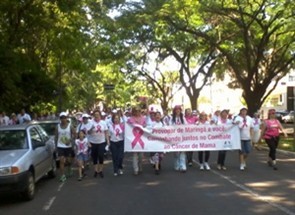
x=191, y=119
x=137, y=121
x=272, y=129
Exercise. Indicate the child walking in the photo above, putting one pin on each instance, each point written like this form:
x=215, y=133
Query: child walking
x=82, y=146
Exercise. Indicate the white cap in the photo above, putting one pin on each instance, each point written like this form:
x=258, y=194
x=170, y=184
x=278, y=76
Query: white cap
x=63, y=114
x=85, y=115
x=103, y=113
x=114, y=111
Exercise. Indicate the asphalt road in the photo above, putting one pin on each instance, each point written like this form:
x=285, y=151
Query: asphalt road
x=257, y=190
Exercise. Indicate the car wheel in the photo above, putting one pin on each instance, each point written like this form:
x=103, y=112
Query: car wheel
x=29, y=191
x=52, y=172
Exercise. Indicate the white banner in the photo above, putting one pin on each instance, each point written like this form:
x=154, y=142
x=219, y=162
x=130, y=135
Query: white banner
x=182, y=138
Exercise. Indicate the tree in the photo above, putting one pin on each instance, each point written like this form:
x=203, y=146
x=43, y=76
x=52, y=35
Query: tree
x=156, y=30
x=256, y=40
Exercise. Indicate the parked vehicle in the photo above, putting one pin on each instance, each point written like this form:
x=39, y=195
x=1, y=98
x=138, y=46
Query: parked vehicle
x=49, y=126
x=281, y=114
x=289, y=118
x=26, y=155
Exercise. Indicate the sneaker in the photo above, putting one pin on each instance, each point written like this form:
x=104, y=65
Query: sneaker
x=135, y=173
x=201, y=166
x=121, y=172
x=63, y=178
x=80, y=179
x=207, y=167
x=242, y=167
x=219, y=167
x=157, y=172
x=101, y=174
x=190, y=164
x=115, y=174
x=223, y=168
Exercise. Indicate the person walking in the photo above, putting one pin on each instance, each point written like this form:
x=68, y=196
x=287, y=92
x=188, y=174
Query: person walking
x=191, y=119
x=64, y=135
x=156, y=157
x=116, y=129
x=222, y=120
x=245, y=124
x=81, y=145
x=256, y=131
x=179, y=157
x=98, y=137
x=203, y=120
x=270, y=132
x=137, y=119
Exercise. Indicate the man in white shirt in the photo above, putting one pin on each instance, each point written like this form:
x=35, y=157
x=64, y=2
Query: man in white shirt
x=23, y=117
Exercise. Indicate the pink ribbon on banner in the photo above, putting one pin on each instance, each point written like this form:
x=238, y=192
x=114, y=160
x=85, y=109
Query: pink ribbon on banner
x=137, y=132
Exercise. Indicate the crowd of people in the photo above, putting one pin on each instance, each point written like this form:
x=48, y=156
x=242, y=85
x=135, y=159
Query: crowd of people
x=99, y=132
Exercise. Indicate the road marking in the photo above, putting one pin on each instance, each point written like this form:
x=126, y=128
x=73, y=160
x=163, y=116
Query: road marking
x=252, y=192
x=60, y=186
x=49, y=204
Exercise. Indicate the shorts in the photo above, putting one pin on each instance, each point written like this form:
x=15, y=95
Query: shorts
x=64, y=152
x=82, y=157
x=245, y=147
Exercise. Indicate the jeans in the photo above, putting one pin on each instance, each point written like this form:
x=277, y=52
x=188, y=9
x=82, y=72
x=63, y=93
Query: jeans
x=117, y=149
x=180, y=161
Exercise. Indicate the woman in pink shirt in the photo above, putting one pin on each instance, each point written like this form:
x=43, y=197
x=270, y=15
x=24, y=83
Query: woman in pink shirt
x=270, y=131
x=137, y=119
x=190, y=119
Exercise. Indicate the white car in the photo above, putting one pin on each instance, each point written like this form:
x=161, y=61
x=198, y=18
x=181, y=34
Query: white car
x=26, y=155
x=289, y=118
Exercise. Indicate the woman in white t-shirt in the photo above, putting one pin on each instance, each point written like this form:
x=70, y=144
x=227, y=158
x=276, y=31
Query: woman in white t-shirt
x=156, y=157
x=256, y=130
x=116, y=129
x=98, y=136
x=222, y=120
x=179, y=157
x=203, y=120
x=245, y=124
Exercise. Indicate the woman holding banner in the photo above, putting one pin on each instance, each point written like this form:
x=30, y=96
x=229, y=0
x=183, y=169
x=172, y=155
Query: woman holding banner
x=137, y=119
x=156, y=157
x=191, y=119
x=179, y=157
x=203, y=120
x=222, y=120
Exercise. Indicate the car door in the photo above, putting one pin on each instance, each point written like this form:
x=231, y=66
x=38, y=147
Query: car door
x=40, y=153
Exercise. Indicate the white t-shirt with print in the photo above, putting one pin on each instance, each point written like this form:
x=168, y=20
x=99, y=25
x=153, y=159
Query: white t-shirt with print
x=116, y=132
x=97, y=132
x=245, y=125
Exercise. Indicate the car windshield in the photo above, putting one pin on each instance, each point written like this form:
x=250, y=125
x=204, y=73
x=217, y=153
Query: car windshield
x=13, y=139
x=49, y=128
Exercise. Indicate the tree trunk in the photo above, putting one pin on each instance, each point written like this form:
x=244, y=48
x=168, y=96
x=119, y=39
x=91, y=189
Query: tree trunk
x=194, y=99
x=253, y=102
